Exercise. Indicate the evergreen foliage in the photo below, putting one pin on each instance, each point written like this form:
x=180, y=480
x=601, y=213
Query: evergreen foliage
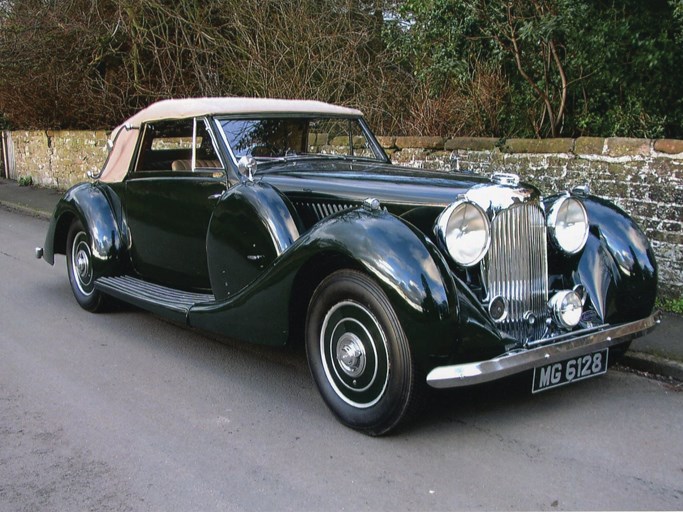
x=573, y=67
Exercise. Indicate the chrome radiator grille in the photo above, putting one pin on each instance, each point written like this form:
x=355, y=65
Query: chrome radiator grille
x=517, y=269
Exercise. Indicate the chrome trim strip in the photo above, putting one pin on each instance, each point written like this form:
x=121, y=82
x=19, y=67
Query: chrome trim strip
x=216, y=148
x=467, y=374
x=194, y=144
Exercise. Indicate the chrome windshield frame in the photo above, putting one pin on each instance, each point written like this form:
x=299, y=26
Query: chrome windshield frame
x=373, y=143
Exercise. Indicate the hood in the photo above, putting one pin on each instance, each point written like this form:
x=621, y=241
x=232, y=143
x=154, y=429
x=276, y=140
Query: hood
x=355, y=181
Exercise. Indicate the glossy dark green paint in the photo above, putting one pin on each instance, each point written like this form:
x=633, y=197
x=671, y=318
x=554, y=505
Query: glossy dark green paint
x=617, y=266
x=168, y=217
x=402, y=260
x=628, y=259
x=400, y=189
x=95, y=205
x=251, y=226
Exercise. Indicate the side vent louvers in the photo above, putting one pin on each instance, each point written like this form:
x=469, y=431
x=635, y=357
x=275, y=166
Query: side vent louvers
x=322, y=210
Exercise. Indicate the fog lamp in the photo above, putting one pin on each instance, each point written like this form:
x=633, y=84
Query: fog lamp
x=566, y=307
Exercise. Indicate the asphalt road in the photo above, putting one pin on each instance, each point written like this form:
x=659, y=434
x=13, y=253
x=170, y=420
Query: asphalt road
x=124, y=411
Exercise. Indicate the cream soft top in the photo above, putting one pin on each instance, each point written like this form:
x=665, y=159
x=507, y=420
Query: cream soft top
x=125, y=135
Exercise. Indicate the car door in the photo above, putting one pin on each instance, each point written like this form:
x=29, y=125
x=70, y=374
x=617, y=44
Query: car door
x=170, y=196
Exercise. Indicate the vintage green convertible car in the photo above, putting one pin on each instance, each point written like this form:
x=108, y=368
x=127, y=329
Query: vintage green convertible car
x=277, y=221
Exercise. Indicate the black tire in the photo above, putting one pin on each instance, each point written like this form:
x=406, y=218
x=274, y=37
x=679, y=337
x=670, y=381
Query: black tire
x=80, y=269
x=358, y=353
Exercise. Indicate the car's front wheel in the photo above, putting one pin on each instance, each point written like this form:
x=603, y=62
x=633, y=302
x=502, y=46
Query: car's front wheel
x=79, y=264
x=358, y=353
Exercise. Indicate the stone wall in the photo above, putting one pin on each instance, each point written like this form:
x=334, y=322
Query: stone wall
x=58, y=159
x=644, y=177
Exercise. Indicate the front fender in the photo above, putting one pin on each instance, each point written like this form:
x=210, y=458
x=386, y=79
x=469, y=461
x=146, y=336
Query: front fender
x=91, y=203
x=617, y=266
x=402, y=260
x=442, y=319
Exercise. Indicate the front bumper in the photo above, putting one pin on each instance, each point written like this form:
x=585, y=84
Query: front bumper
x=561, y=348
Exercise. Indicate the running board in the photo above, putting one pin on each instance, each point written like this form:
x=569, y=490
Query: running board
x=153, y=297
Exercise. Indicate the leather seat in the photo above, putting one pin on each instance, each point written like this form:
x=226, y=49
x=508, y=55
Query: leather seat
x=186, y=165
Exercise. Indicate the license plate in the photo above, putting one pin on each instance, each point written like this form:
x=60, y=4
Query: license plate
x=565, y=372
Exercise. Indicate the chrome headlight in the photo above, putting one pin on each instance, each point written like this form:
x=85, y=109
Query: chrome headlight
x=463, y=229
x=568, y=224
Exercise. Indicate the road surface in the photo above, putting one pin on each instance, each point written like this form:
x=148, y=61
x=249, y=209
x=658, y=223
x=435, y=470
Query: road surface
x=125, y=411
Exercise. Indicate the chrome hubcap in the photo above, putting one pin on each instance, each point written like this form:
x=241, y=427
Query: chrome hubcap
x=354, y=354
x=82, y=264
x=351, y=354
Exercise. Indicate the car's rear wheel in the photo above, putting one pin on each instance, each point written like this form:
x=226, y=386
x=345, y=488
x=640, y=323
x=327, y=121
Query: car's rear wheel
x=358, y=353
x=79, y=264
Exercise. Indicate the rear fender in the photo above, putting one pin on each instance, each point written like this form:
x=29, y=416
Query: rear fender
x=91, y=204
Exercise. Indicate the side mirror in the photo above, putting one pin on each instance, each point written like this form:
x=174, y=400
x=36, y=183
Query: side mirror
x=247, y=167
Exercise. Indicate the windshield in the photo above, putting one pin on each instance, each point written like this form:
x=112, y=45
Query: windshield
x=276, y=138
